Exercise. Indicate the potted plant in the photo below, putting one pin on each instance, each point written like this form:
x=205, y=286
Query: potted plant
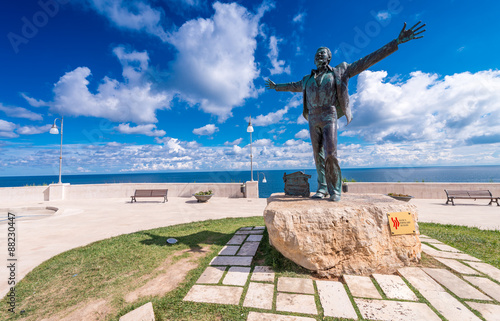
x=203, y=196
x=345, y=184
x=400, y=197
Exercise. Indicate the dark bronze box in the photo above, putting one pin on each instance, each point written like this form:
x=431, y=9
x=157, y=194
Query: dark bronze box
x=297, y=184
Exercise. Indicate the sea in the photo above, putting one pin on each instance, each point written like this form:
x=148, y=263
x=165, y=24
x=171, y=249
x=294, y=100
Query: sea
x=274, y=178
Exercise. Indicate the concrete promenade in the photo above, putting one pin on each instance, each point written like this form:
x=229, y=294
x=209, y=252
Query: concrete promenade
x=80, y=222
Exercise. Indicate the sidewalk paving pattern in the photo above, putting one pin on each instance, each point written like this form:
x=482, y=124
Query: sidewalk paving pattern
x=376, y=297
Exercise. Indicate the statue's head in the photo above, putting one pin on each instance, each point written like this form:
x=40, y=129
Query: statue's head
x=322, y=57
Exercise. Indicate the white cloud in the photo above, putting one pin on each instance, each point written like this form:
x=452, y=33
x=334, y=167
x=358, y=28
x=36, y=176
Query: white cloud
x=83, y=170
x=206, y=130
x=114, y=144
x=132, y=100
x=276, y=116
x=263, y=142
x=174, y=154
x=192, y=145
x=33, y=130
x=278, y=65
x=215, y=65
x=19, y=112
x=303, y=134
x=7, y=129
x=237, y=149
x=185, y=3
x=148, y=130
x=292, y=142
x=301, y=120
x=132, y=15
x=134, y=65
x=459, y=109
x=271, y=118
x=173, y=145
x=235, y=142
x=299, y=17
x=383, y=15
x=34, y=102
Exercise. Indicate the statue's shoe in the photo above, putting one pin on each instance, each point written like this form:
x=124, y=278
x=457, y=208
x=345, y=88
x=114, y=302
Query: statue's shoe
x=319, y=195
x=335, y=198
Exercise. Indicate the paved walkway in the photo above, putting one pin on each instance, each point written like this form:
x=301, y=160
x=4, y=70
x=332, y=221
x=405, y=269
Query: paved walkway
x=230, y=280
x=81, y=222
x=41, y=235
x=466, y=212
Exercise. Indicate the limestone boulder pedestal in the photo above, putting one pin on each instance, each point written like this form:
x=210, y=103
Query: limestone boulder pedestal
x=347, y=237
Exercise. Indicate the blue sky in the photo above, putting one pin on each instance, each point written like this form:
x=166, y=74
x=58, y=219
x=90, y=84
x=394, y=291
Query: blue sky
x=158, y=85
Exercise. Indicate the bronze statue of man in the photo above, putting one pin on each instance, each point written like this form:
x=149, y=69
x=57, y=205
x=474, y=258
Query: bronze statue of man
x=326, y=98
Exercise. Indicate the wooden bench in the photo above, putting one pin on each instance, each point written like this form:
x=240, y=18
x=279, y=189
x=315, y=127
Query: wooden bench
x=484, y=194
x=150, y=193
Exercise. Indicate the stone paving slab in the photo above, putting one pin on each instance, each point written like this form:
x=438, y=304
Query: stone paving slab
x=456, y=266
x=448, y=306
x=490, y=312
x=422, y=236
x=254, y=238
x=232, y=260
x=263, y=274
x=395, y=311
x=447, y=248
x=448, y=255
x=237, y=275
x=249, y=232
x=247, y=228
x=259, y=228
x=394, y=287
x=236, y=240
x=143, y=313
x=256, y=316
x=260, y=296
x=229, y=250
x=212, y=275
x=456, y=285
x=486, y=285
x=487, y=269
x=248, y=248
x=215, y=294
x=297, y=303
x=419, y=279
x=334, y=300
x=361, y=286
x=295, y=285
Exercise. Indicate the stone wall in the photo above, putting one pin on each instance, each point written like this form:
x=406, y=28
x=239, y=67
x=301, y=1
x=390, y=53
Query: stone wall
x=421, y=190
x=122, y=190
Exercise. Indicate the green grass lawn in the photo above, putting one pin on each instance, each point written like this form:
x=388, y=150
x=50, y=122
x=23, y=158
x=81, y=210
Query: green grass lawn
x=110, y=269
x=482, y=244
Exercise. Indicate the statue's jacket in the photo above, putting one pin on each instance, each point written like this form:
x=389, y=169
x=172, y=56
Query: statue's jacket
x=342, y=73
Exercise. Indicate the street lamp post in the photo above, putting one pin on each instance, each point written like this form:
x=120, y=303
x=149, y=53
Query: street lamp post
x=264, y=180
x=54, y=130
x=250, y=130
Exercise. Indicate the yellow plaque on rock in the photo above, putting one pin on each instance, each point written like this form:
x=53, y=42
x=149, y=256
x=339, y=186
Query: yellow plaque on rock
x=401, y=223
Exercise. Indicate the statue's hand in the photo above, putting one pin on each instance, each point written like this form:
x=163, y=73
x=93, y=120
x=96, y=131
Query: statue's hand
x=270, y=84
x=410, y=34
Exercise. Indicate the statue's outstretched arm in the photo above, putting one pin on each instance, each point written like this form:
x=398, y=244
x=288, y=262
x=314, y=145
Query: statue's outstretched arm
x=290, y=86
x=368, y=61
